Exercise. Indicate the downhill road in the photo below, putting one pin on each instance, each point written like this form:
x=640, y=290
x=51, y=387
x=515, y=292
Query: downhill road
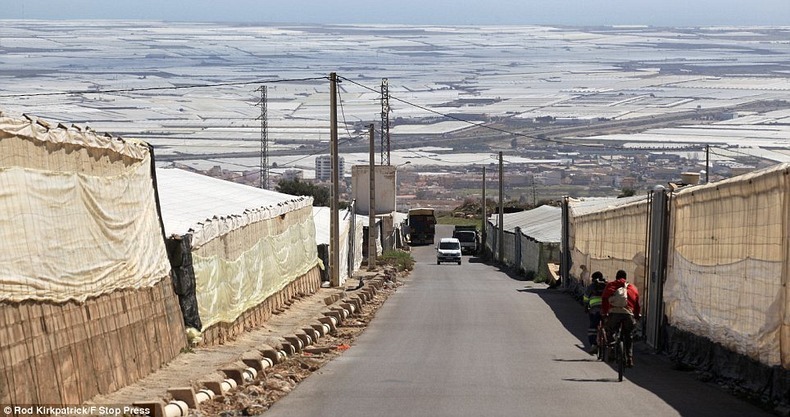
x=470, y=340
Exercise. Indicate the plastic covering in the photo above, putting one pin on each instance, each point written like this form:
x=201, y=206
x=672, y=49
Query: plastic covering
x=78, y=214
x=728, y=259
x=727, y=275
x=349, y=225
x=179, y=250
x=608, y=235
x=247, y=243
x=265, y=257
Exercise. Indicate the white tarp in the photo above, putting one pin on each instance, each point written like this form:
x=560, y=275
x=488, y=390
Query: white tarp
x=78, y=214
x=247, y=243
x=350, y=250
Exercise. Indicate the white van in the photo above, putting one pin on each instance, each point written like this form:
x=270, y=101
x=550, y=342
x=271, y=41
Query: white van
x=449, y=250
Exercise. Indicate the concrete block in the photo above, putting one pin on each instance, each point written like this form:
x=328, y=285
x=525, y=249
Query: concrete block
x=357, y=303
x=288, y=348
x=234, y=374
x=270, y=353
x=320, y=329
x=336, y=314
x=185, y=394
x=295, y=342
x=306, y=340
x=329, y=322
x=155, y=408
x=313, y=333
x=258, y=364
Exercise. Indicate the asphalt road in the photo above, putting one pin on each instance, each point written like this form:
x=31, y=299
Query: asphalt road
x=470, y=340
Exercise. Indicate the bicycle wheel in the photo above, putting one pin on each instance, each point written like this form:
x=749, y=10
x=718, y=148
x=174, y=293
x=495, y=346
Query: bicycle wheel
x=620, y=355
x=601, y=344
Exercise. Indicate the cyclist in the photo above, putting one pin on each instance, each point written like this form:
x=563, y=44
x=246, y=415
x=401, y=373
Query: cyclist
x=592, y=306
x=620, y=306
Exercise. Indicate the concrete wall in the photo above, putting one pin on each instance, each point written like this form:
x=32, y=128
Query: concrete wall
x=385, y=188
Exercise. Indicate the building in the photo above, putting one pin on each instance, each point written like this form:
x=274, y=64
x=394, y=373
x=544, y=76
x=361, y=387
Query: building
x=293, y=174
x=323, y=167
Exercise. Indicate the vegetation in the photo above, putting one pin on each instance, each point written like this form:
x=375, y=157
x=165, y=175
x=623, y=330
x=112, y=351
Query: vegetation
x=320, y=194
x=448, y=218
x=402, y=261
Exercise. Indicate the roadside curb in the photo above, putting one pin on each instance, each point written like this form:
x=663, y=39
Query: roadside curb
x=253, y=363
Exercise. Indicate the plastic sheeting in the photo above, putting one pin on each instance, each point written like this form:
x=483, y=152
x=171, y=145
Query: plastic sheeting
x=269, y=254
x=78, y=214
x=246, y=243
x=727, y=275
x=350, y=249
x=209, y=208
x=179, y=250
x=608, y=235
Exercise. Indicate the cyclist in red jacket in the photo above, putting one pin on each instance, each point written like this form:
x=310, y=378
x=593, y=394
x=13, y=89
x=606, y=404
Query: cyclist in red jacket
x=621, y=307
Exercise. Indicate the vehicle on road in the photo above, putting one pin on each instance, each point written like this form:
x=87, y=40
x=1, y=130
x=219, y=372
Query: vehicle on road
x=422, y=226
x=449, y=250
x=470, y=240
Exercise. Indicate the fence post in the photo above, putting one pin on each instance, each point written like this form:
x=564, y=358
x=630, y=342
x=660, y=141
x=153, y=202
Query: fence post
x=657, y=258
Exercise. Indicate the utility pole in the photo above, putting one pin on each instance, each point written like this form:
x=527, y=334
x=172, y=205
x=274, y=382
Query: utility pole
x=264, y=167
x=707, y=163
x=501, y=219
x=372, y=230
x=534, y=193
x=385, y=122
x=484, y=215
x=334, y=230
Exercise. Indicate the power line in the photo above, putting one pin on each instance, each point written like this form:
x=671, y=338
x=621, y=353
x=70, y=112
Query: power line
x=172, y=87
x=480, y=125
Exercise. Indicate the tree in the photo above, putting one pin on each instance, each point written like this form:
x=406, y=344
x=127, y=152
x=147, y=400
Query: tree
x=320, y=194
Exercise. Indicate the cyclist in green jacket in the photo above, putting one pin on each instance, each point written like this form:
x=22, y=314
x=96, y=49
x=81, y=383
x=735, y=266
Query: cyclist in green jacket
x=592, y=305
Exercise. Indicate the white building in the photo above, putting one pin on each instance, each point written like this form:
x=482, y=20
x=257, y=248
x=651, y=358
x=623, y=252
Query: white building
x=323, y=167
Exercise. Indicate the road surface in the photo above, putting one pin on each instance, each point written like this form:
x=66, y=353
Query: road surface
x=470, y=340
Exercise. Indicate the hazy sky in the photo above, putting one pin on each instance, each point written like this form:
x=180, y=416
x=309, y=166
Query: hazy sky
x=451, y=12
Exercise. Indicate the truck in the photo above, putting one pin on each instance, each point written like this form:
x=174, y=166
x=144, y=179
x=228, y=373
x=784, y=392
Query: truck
x=422, y=226
x=469, y=238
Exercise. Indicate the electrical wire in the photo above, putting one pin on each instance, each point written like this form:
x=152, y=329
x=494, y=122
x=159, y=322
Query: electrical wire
x=448, y=116
x=172, y=87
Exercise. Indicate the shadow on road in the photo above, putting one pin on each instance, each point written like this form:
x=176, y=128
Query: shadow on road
x=654, y=372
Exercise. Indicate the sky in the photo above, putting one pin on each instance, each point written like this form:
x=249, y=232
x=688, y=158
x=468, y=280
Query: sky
x=417, y=12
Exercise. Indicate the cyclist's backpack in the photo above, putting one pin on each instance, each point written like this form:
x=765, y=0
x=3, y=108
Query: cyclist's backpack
x=620, y=297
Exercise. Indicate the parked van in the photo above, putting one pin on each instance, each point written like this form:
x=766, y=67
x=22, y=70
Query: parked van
x=449, y=250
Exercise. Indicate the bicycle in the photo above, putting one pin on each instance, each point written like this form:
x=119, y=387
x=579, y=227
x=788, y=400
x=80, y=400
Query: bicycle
x=618, y=349
x=601, y=341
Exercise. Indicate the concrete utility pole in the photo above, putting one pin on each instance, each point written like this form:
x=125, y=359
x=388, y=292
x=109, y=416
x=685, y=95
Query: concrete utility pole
x=501, y=219
x=707, y=163
x=334, y=229
x=484, y=215
x=372, y=231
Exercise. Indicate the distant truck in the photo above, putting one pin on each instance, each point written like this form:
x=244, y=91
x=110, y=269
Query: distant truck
x=422, y=226
x=470, y=240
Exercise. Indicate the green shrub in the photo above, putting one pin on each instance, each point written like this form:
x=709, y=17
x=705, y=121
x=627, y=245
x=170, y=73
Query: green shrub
x=402, y=261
